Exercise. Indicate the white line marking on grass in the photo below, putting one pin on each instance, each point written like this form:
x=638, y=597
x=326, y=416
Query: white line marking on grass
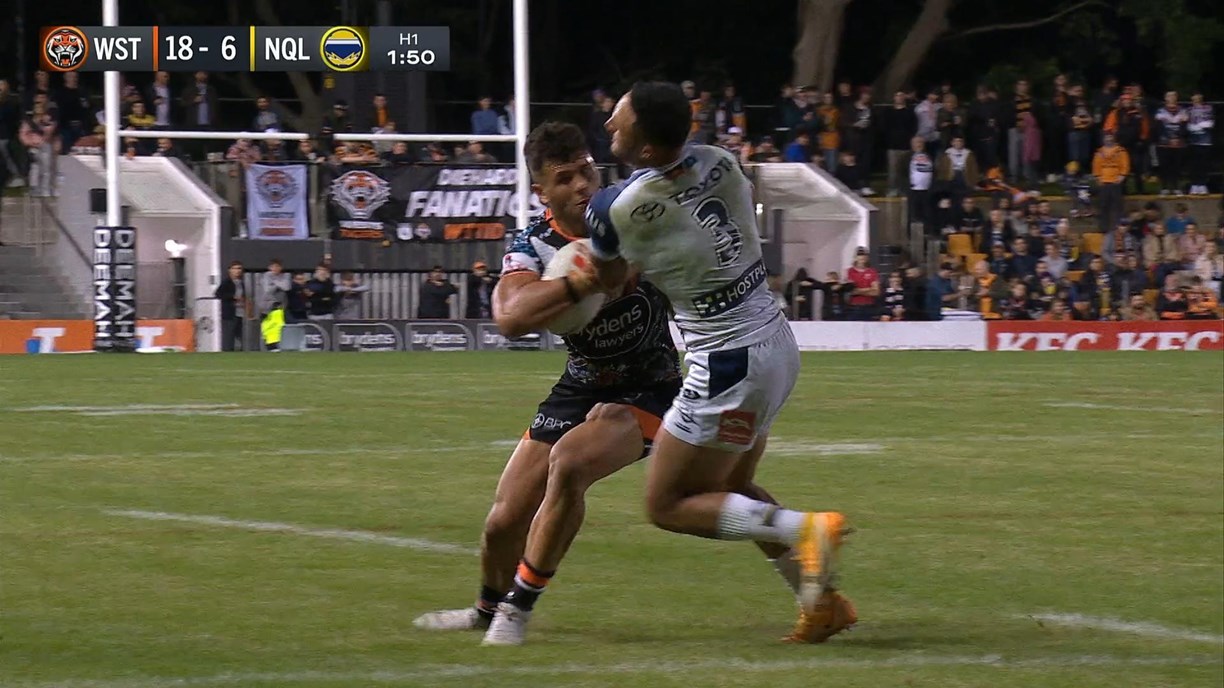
x=272, y=527
x=273, y=452
x=1114, y=407
x=1149, y=630
x=126, y=407
x=223, y=410
x=788, y=447
x=223, y=413
x=461, y=671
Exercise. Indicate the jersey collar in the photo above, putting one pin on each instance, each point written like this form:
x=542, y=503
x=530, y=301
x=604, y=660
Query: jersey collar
x=676, y=168
x=555, y=226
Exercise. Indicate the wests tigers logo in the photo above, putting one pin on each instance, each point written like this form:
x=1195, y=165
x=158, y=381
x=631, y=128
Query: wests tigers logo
x=66, y=48
x=276, y=188
x=360, y=193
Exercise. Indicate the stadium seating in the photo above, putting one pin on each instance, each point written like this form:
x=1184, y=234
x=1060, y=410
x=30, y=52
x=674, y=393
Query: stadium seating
x=1092, y=242
x=1074, y=275
x=960, y=245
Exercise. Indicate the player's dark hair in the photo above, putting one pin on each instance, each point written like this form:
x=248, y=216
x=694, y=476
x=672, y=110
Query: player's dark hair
x=555, y=142
x=663, y=113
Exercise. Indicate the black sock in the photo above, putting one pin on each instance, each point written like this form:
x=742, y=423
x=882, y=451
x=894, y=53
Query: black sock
x=487, y=605
x=529, y=584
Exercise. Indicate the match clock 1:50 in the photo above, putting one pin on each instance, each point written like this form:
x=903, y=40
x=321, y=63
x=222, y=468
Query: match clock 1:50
x=412, y=58
x=415, y=48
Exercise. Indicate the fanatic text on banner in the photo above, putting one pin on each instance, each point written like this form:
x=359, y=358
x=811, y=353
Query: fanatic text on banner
x=424, y=203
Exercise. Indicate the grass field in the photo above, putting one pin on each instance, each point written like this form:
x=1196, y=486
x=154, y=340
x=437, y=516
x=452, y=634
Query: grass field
x=1024, y=520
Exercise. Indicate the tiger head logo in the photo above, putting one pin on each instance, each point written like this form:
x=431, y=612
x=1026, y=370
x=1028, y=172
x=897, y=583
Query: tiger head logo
x=66, y=48
x=360, y=193
x=276, y=188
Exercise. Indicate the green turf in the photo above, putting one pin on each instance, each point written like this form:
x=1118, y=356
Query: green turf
x=981, y=504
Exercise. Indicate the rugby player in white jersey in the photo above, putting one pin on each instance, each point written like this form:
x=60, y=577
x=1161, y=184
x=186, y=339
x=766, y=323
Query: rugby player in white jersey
x=600, y=416
x=686, y=220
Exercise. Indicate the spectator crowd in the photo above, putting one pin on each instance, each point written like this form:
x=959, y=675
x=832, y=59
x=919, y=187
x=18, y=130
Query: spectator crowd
x=49, y=120
x=969, y=174
x=1098, y=146
x=1031, y=267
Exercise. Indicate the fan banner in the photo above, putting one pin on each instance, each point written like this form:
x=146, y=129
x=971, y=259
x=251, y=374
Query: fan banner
x=276, y=202
x=424, y=203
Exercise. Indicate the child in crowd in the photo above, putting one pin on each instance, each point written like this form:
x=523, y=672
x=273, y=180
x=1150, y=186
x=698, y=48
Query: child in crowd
x=1079, y=189
x=894, y=298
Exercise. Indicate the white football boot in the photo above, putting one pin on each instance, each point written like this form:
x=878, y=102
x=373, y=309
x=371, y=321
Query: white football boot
x=509, y=626
x=466, y=619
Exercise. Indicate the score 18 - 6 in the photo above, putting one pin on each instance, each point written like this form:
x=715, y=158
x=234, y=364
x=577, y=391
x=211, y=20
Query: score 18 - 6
x=205, y=48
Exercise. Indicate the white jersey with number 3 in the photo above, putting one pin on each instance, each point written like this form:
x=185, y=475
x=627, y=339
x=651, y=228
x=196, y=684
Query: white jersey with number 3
x=691, y=229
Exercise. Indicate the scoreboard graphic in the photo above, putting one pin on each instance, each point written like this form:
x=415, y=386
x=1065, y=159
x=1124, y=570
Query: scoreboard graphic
x=245, y=48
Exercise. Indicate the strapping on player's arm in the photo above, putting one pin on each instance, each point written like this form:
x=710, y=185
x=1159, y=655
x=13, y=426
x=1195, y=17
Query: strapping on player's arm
x=596, y=275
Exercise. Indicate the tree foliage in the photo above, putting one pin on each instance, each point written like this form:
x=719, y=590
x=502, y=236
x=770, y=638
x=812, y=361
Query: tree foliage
x=1180, y=36
x=1181, y=40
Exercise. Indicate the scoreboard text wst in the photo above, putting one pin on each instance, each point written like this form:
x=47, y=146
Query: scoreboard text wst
x=246, y=48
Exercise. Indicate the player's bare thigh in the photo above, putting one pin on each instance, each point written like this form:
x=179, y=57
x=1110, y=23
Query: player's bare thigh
x=679, y=469
x=609, y=439
x=744, y=472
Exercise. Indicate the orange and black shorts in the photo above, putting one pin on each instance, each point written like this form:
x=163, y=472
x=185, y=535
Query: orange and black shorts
x=568, y=405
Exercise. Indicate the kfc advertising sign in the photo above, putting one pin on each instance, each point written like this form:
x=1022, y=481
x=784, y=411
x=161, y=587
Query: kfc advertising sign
x=1203, y=335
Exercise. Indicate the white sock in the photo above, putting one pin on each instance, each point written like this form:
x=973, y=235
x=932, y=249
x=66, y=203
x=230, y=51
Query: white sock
x=788, y=568
x=742, y=518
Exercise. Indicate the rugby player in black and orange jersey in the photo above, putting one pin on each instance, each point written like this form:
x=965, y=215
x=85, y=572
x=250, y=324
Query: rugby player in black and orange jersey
x=621, y=375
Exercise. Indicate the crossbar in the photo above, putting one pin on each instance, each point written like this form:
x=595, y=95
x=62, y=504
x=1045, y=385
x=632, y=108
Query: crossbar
x=296, y=136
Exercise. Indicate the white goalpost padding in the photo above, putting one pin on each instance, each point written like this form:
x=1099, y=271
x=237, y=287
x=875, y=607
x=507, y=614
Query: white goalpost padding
x=522, y=116
x=114, y=206
x=522, y=124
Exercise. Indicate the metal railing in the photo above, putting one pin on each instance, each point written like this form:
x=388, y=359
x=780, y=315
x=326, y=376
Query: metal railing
x=391, y=295
x=29, y=221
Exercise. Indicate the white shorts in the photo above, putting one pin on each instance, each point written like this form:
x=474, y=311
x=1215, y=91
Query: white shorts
x=731, y=397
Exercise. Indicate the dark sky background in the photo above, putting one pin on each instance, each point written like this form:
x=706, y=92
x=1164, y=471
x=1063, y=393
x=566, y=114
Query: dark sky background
x=578, y=45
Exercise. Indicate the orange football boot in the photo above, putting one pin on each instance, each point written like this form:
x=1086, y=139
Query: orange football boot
x=834, y=614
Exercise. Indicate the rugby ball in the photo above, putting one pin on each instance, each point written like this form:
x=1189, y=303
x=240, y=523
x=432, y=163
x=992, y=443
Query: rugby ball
x=573, y=257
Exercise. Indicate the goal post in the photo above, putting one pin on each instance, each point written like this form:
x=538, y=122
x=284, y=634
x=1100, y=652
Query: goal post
x=521, y=112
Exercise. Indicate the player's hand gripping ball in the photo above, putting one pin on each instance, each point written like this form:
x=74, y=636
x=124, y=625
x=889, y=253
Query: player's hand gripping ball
x=574, y=261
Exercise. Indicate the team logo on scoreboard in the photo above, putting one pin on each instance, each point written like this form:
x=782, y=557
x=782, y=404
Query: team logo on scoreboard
x=65, y=48
x=343, y=48
x=276, y=188
x=360, y=193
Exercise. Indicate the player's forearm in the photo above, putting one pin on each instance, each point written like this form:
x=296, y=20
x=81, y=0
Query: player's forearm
x=605, y=243
x=530, y=307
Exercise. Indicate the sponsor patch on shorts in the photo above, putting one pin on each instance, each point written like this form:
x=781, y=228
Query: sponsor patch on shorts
x=736, y=427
